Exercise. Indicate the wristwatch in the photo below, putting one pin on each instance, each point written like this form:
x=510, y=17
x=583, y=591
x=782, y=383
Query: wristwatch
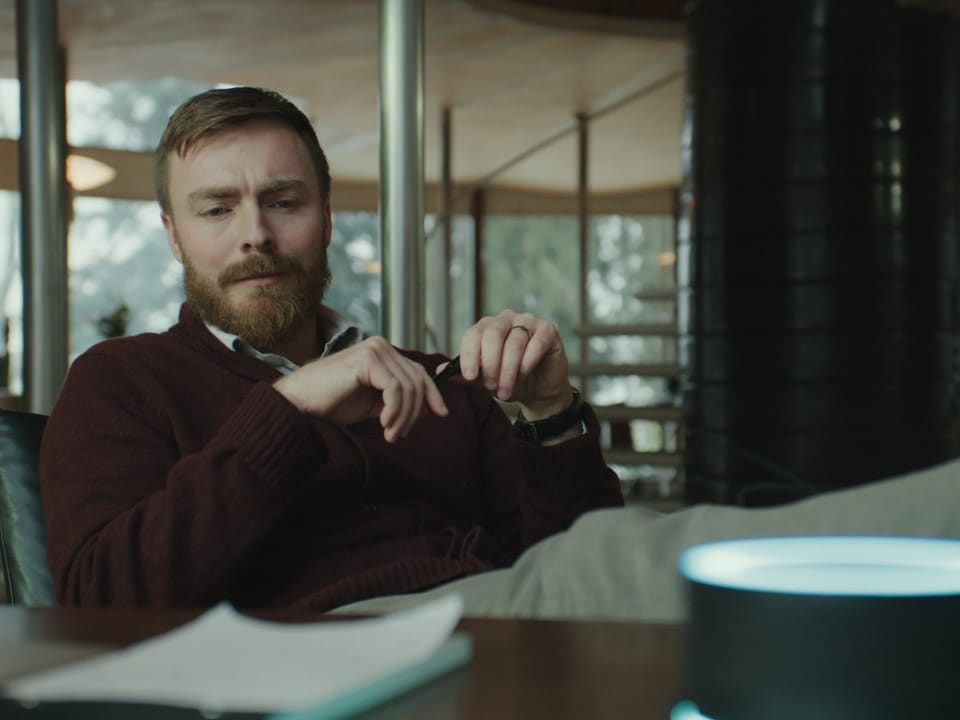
x=537, y=431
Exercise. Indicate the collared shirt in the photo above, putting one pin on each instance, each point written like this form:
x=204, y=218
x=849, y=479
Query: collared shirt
x=336, y=332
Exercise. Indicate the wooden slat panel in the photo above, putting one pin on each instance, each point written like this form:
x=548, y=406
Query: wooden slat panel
x=662, y=329
x=658, y=413
x=642, y=369
x=630, y=457
x=656, y=294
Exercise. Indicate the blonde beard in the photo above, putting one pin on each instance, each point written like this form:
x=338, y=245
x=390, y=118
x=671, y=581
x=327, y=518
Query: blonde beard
x=274, y=313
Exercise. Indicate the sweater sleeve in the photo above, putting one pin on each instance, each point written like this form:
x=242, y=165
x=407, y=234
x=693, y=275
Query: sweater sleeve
x=534, y=491
x=131, y=519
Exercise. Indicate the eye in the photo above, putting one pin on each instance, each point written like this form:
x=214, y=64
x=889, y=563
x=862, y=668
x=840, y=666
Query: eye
x=286, y=204
x=214, y=212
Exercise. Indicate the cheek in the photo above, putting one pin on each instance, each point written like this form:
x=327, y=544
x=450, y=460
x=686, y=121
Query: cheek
x=207, y=254
x=202, y=267
x=303, y=234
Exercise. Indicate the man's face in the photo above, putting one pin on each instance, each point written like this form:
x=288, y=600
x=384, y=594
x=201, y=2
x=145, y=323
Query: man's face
x=249, y=225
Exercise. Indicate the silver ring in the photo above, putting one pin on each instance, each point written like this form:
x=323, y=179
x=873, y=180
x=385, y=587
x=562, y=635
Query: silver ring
x=519, y=327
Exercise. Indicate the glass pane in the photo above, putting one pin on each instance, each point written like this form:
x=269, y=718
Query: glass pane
x=123, y=278
x=462, y=292
x=11, y=290
x=631, y=283
x=631, y=390
x=633, y=349
x=530, y=265
x=628, y=255
x=11, y=296
x=124, y=115
x=9, y=108
x=460, y=279
x=354, y=257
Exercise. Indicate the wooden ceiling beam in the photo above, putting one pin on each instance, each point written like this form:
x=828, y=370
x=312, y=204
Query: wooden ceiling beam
x=134, y=181
x=645, y=18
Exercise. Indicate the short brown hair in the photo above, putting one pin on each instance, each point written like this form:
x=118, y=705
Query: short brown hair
x=215, y=110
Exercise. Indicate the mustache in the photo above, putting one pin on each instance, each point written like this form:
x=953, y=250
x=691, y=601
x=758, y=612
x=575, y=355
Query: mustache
x=259, y=265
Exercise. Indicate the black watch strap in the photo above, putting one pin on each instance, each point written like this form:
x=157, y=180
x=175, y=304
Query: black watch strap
x=537, y=431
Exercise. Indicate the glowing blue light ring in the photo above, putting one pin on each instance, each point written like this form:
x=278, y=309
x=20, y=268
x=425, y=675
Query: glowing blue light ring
x=686, y=710
x=854, y=565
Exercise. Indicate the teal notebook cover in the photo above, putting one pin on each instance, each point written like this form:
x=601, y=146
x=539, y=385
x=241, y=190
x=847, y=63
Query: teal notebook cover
x=454, y=653
x=231, y=665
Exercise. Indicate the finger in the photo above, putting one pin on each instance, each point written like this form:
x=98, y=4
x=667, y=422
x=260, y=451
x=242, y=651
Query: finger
x=491, y=354
x=418, y=382
x=384, y=373
x=419, y=394
x=432, y=396
x=409, y=396
x=392, y=398
x=514, y=350
x=392, y=409
x=422, y=396
x=544, y=339
x=470, y=350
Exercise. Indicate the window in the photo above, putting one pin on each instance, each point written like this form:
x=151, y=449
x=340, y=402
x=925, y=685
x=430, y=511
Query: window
x=530, y=265
x=631, y=288
x=122, y=276
x=11, y=295
x=460, y=279
x=11, y=289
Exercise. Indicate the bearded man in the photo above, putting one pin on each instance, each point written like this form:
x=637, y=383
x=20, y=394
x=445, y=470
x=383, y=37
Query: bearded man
x=261, y=451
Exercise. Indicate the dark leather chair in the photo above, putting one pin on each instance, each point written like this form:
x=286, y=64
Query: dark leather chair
x=22, y=529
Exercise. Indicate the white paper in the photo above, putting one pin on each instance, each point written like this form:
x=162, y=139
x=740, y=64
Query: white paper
x=18, y=659
x=223, y=661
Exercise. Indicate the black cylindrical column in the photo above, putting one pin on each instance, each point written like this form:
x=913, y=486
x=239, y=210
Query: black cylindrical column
x=818, y=263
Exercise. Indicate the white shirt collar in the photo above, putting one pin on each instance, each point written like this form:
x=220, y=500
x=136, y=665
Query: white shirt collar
x=336, y=331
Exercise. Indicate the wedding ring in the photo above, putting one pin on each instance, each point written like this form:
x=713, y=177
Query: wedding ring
x=519, y=327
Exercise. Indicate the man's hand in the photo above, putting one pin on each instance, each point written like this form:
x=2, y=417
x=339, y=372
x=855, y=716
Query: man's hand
x=519, y=357
x=370, y=379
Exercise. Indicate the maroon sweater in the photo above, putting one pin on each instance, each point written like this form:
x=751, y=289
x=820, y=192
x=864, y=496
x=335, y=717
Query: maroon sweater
x=174, y=474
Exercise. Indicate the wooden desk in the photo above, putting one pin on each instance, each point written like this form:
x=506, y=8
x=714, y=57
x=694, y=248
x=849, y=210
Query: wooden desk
x=526, y=669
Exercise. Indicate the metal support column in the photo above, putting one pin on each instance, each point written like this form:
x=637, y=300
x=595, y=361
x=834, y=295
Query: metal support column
x=444, y=251
x=583, y=219
x=43, y=200
x=401, y=170
x=478, y=210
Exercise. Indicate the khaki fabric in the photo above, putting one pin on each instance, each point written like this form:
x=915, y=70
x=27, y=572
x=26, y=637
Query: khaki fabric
x=620, y=564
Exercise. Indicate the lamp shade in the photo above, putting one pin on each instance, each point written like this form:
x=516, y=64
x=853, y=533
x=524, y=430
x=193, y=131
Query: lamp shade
x=823, y=627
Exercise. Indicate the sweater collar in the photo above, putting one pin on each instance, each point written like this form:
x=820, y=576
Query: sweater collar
x=335, y=331
x=204, y=338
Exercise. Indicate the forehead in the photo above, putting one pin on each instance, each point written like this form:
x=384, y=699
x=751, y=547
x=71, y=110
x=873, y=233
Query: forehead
x=259, y=149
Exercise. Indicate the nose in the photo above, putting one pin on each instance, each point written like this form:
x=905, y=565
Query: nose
x=256, y=231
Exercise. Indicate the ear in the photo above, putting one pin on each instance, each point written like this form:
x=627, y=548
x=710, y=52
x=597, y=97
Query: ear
x=172, y=237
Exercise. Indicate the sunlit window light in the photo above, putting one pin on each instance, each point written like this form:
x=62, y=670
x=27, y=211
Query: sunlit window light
x=667, y=258
x=85, y=173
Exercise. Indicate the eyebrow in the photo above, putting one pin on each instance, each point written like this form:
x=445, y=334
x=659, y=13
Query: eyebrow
x=226, y=191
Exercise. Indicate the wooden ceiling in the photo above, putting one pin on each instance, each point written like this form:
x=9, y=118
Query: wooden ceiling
x=513, y=74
